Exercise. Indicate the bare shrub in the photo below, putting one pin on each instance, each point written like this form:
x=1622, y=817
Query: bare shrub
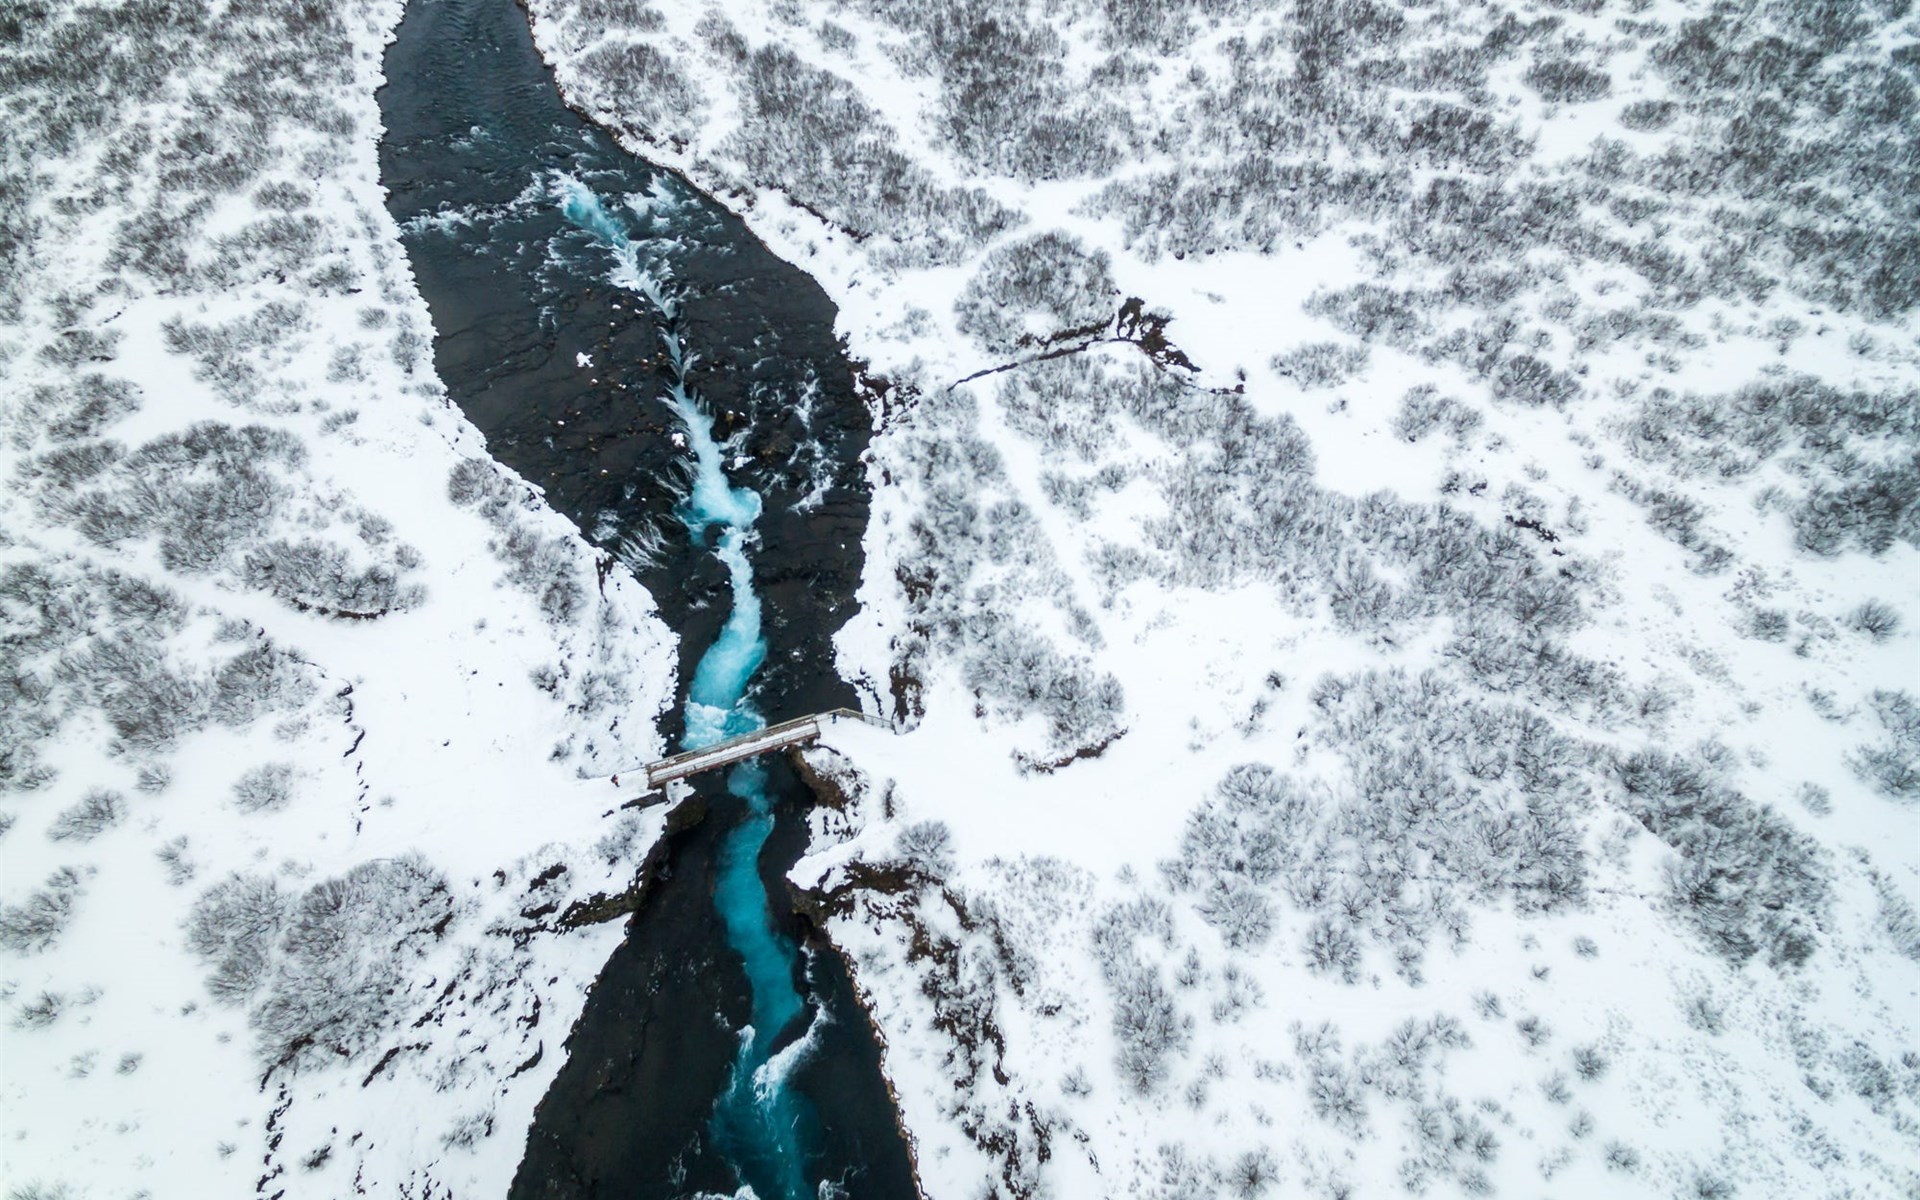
x=1876, y=619
x=1036, y=291
x=37, y=922
x=95, y=813
x=265, y=788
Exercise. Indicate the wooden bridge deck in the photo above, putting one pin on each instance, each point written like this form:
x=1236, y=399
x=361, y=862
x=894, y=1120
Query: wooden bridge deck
x=750, y=745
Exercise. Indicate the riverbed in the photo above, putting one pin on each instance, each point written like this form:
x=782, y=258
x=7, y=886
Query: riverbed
x=675, y=389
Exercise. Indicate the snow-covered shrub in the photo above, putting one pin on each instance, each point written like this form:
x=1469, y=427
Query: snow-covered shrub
x=468, y=1131
x=1646, y=116
x=40, y=1012
x=1567, y=81
x=83, y=407
x=173, y=858
x=1448, y=1141
x=1331, y=949
x=1529, y=381
x=1423, y=409
x=148, y=702
x=318, y=576
x=37, y=922
x=89, y=817
x=1589, y=1062
x=232, y=928
x=1744, y=878
x=831, y=151
x=926, y=847
x=1897, y=918
x=1315, y=365
x=1240, y=911
x=1876, y=619
x=1371, y=312
x=658, y=103
x=1768, y=625
x=1621, y=1157
x=1019, y=672
x=1035, y=291
x=1878, y=506
x=141, y=601
x=258, y=680
x=202, y=491
x=1893, y=766
x=1337, y=1096
x=545, y=566
x=1679, y=519
x=1060, y=404
x=1254, y=829
x=265, y=788
x=1148, y=1027
x=1250, y=1174
x=324, y=973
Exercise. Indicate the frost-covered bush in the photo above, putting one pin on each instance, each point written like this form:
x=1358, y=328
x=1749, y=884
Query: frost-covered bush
x=149, y=703
x=265, y=788
x=36, y=923
x=1893, y=766
x=1855, y=495
x=1255, y=828
x=1646, y=116
x=1331, y=949
x=83, y=407
x=203, y=491
x=325, y=973
x=258, y=680
x=318, y=576
x=545, y=566
x=1532, y=382
x=1240, y=911
x=656, y=101
x=232, y=928
x=92, y=815
x=1423, y=409
x=1370, y=311
x=1876, y=619
x=1878, y=506
x=808, y=129
x=343, y=954
x=926, y=847
x=1251, y=1174
x=1315, y=365
x=1589, y=1062
x=1037, y=290
x=1567, y=81
x=1148, y=1027
x=1745, y=879
x=1061, y=404
x=40, y=1012
x=1897, y=918
x=1020, y=673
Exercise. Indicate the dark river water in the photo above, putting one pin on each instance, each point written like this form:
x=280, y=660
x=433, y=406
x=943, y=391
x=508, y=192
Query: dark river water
x=525, y=226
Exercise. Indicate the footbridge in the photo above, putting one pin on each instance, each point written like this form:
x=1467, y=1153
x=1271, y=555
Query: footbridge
x=797, y=732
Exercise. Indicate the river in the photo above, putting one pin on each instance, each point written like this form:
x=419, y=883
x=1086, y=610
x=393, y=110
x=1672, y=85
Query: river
x=676, y=389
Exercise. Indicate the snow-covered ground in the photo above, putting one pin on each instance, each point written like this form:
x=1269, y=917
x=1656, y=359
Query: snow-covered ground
x=301, y=688
x=1423, y=702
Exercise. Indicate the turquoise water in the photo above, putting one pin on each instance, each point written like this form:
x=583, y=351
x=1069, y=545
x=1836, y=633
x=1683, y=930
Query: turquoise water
x=758, y=1122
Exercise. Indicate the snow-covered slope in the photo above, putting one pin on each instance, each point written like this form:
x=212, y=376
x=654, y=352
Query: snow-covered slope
x=299, y=687
x=1422, y=698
